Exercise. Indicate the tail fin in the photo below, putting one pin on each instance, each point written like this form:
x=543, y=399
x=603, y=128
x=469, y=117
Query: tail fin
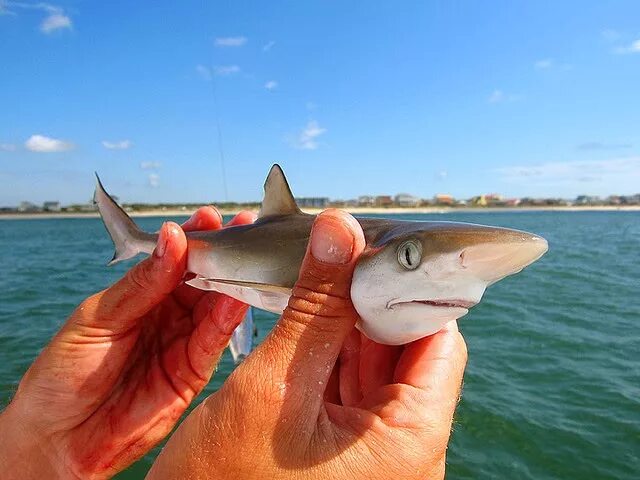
x=127, y=238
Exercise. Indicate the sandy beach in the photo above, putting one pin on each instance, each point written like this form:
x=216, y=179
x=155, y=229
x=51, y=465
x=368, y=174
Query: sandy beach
x=355, y=210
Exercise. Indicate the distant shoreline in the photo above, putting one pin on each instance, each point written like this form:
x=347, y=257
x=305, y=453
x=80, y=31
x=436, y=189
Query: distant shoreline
x=354, y=210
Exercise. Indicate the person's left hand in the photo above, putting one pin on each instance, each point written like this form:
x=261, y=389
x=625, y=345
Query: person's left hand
x=123, y=368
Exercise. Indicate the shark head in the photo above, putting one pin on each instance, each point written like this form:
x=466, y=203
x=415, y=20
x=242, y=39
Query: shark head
x=417, y=276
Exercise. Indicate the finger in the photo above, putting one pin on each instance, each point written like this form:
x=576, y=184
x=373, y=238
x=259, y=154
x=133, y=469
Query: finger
x=303, y=347
x=205, y=218
x=377, y=364
x=216, y=316
x=144, y=286
x=332, y=392
x=350, y=393
x=242, y=218
x=435, y=364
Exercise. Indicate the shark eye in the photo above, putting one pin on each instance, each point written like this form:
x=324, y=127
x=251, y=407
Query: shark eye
x=410, y=254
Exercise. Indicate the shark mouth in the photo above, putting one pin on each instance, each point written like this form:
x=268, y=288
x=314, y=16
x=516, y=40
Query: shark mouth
x=434, y=303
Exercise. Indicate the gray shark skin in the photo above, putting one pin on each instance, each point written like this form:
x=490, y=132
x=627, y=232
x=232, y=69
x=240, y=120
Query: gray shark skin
x=412, y=278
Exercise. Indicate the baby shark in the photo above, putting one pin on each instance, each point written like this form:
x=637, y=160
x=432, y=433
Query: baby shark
x=412, y=278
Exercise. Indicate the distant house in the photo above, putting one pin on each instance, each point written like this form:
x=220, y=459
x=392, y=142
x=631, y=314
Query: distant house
x=383, y=201
x=587, y=200
x=366, y=201
x=633, y=199
x=478, y=201
x=51, y=206
x=28, y=207
x=407, y=200
x=312, y=202
x=444, y=199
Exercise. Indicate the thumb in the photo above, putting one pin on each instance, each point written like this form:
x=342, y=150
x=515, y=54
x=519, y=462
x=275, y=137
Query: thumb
x=304, y=345
x=142, y=288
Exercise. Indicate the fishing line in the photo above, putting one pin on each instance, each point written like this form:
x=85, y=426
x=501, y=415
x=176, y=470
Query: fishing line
x=216, y=114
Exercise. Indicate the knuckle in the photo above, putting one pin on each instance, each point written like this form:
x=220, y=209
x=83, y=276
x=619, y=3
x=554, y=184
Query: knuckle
x=88, y=304
x=140, y=276
x=319, y=313
x=318, y=303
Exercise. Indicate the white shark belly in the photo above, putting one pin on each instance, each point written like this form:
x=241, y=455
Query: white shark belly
x=271, y=301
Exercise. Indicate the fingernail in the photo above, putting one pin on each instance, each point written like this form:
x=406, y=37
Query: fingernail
x=220, y=217
x=163, y=239
x=331, y=240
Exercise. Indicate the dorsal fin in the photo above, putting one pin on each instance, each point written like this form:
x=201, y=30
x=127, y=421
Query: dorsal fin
x=278, y=199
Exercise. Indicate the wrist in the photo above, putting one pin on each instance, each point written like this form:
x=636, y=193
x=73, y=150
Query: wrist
x=24, y=454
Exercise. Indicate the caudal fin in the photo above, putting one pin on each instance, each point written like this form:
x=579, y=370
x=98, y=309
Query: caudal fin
x=127, y=238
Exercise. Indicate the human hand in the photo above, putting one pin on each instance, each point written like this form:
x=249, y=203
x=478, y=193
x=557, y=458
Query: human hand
x=126, y=364
x=318, y=400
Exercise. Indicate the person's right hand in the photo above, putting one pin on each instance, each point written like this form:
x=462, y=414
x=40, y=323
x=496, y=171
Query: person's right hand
x=317, y=399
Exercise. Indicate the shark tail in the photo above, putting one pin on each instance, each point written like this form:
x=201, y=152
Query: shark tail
x=127, y=237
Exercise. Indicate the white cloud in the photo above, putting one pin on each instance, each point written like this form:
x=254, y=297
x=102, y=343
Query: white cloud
x=543, y=64
x=56, y=18
x=307, y=139
x=271, y=85
x=230, y=41
x=55, y=21
x=609, y=172
x=8, y=147
x=42, y=144
x=498, y=96
x=150, y=165
x=268, y=46
x=118, y=145
x=204, y=72
x=154, y=180
x=633, y=47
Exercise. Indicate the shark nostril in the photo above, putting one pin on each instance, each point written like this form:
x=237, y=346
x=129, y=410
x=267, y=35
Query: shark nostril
x=461, y=256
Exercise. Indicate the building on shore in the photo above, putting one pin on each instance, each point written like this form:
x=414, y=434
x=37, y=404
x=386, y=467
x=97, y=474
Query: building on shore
x=383, y=201
x=407, y=200
x=28, y=207
x=366, y=201
x=313, y=202
x=588, y=200
x=51, y=207
x=444, y=199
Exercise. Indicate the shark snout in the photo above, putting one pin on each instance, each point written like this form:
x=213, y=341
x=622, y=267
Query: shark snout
x=496, y=259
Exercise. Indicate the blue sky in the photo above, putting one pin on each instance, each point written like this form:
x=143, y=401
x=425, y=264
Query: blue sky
x=521, y=98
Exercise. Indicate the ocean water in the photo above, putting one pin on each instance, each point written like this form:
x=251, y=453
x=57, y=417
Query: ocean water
x=552, y=388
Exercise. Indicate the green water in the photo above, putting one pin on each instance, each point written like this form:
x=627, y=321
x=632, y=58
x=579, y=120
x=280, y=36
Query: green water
x=552, y=388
